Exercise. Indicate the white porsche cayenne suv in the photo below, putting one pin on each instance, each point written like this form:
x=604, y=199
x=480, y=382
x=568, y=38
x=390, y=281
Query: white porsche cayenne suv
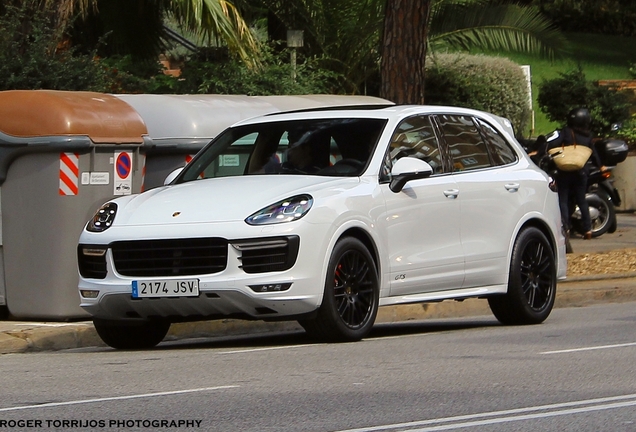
x=323, y=216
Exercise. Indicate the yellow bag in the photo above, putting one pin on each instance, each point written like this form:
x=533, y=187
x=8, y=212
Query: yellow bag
x=572, y=157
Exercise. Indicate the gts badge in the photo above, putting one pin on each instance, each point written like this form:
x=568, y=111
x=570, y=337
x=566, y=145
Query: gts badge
x=400, y=277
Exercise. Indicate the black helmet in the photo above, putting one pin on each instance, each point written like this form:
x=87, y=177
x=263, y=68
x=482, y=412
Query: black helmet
x=579, y=118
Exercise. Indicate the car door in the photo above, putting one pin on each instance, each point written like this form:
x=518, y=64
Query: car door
x=422, y=221
x=491, y=192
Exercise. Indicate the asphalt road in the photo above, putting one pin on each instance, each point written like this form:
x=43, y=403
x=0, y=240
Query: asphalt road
x=575, y=372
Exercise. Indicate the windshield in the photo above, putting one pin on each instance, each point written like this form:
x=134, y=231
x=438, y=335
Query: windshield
x=324, y=147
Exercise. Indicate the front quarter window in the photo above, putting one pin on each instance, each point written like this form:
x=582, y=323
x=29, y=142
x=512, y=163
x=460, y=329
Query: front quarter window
x=226, y=156
x=414, y=137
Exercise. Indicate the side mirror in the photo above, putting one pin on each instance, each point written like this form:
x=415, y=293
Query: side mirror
x=173, y=175
x=407, y=169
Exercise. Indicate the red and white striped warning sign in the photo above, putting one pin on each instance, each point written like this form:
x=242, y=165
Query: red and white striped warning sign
x=69, y=173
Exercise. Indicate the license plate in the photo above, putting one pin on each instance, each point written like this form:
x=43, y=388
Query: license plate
x=166, y=288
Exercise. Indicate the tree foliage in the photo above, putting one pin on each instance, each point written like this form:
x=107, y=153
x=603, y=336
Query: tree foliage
x=612, y=17
x=343, y=37
x=32, y=58
x=135, y=27
x=571, y=90
x=274, y=77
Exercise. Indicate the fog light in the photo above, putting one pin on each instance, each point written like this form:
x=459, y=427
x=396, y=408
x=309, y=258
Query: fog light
x=270, y=287
x=89, y=293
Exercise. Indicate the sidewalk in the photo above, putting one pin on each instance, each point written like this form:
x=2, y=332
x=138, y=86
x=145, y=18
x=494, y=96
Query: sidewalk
x=19, y=336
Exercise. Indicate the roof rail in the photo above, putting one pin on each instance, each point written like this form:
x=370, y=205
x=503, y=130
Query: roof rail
x=335, y=108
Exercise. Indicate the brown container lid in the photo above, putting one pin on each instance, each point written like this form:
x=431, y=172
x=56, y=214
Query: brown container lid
x=39, y=113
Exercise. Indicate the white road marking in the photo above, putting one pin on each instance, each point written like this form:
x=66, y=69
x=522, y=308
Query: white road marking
x=590, y=348
x=116, y=398
x=267, y=349
x=472, y=420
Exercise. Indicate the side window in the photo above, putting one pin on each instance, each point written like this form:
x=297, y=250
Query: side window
x=465, y=144
x=500, y=150
x=415, y=137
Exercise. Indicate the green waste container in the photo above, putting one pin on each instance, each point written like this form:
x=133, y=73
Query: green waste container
x=62, y=155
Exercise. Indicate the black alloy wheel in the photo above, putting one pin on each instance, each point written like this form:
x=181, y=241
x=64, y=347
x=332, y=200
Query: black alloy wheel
x=353, y=289
x=351, y=296
x=531, y=284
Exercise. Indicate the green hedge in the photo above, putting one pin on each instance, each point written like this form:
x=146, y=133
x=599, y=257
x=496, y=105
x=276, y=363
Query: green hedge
x=491, y=84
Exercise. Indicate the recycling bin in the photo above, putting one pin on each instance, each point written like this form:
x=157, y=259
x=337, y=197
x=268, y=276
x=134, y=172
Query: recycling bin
x=181, y=125
x=62, y=155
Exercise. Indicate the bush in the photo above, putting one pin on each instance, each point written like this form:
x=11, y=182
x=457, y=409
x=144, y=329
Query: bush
x=627, y=132
x=33, y=54
x=491, y=84
x=146, y=76
x=230, y=76
x=571, y=90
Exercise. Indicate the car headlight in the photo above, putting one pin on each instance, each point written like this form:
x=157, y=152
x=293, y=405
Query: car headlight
x=287, y=210
x=103, y=218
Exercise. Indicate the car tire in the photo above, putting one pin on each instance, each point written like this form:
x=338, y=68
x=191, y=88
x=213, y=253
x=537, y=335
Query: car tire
x=531, y=284
x=351, y=295
x=131, y=336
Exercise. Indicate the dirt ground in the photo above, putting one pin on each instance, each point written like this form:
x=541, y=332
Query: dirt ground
x=609, y=262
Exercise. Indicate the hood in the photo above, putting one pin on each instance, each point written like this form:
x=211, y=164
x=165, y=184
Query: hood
x=218, y=200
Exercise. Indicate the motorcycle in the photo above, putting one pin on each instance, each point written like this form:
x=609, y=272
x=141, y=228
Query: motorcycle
x=602, y=197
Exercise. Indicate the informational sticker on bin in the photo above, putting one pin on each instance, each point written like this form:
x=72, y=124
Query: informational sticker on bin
x=96, y=178
x=122, y=167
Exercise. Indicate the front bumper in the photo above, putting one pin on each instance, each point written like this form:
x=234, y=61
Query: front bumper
x=234, y=291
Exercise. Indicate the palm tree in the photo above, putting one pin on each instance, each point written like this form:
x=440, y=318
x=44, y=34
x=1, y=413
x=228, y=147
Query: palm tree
x=496, y=26
x=137, y=25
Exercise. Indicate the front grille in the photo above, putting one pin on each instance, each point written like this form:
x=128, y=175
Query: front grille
x=175, y=257
x=268, y=255
x=90, y=264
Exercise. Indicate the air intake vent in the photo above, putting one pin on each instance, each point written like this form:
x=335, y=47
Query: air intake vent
x=91, y=261
x=268, y=255
x=175, y=257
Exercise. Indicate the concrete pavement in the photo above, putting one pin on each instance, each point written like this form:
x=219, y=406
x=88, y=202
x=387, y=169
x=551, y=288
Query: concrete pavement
x=20, y=336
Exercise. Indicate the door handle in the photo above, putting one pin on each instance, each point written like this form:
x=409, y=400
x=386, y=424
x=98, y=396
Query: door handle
x=512, y=187
x=451, y=193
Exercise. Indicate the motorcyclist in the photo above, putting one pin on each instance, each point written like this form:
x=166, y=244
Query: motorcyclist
x=572, y=185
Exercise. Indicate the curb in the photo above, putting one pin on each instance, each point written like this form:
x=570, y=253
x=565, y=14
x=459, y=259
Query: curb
x=21, y=337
